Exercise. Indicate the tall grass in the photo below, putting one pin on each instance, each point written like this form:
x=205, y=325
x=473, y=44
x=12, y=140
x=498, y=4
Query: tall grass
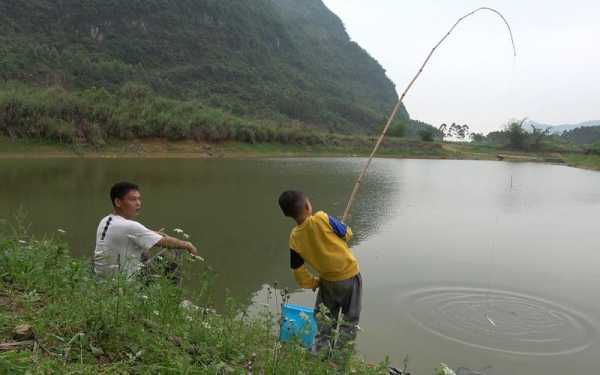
x=95, y=115
x=123, y=326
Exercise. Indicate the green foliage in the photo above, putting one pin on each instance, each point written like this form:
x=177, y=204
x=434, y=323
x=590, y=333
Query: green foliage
x=477, y=138
x=583, y=135
x=84, y=325
x=279, y=60
x=515, y=137
x=397, y=129
x=134, y=111
x=426, y=135
x=415, y=128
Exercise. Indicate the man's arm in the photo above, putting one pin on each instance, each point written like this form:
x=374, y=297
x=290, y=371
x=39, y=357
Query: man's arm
x=174, y=243
x=302, y=275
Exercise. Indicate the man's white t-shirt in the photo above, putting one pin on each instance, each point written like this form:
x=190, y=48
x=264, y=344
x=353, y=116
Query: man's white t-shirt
x=120, y=244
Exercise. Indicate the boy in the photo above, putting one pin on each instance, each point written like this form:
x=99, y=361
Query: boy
x=321, y=241
x=122, y=242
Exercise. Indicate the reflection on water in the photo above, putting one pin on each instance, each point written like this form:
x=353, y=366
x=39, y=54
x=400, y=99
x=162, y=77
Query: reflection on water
x=459, y=265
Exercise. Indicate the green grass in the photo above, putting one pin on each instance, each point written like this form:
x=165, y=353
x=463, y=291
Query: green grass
x=87, y=327
x=583, y=161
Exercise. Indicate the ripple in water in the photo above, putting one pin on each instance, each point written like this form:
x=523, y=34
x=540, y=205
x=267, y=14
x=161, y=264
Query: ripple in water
x=501, y=321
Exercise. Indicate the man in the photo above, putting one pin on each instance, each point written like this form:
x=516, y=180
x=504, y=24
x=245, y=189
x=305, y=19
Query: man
x=121, y=242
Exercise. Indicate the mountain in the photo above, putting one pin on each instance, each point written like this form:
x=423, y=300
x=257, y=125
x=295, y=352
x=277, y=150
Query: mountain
x=584, y=135
x=558, y=129
x=281, y=60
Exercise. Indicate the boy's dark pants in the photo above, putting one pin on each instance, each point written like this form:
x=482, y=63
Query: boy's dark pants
x=335, y=295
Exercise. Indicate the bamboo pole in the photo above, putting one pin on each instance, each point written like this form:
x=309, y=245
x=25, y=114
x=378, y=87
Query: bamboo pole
x=400, y=101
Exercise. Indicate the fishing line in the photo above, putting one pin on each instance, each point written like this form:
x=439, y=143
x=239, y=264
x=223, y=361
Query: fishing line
x=492, y=263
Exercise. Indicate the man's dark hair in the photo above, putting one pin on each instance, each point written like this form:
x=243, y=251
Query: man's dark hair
x=292, y=203
x=120, y=189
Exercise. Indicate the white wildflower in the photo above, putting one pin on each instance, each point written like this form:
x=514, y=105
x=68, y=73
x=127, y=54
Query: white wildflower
x=155, y=312
x=196, y=257
x=189, y=318
x=23, y=242
x=61, y=231
x=144, y=296
x=206, y=325
x=186, y=236
x=178, y=231
x=188, y=305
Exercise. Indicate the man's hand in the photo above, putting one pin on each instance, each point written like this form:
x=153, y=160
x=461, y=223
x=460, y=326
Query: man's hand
x=175, y=243
x=191, y=248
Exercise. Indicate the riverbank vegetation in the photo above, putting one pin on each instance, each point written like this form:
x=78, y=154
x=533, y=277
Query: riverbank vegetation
x=97, y=116
x=55, y=317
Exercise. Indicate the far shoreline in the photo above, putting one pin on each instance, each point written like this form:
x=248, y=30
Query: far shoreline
x=164, y=149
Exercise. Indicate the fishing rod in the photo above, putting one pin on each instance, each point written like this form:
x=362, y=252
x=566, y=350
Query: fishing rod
x=397, y=107
x=400, y=101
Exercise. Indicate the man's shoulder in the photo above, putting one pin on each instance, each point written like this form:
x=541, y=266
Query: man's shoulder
x=121, y=222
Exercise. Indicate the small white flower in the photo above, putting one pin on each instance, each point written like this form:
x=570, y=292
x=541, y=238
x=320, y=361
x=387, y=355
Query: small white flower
x=61, y=231
x=144, y=296
x=206, y=325
x=189, y=318
x=177, y=230
x=186, y=236
x=188, y=305
x=196, y=257
x=23, y=242
x=155, y=312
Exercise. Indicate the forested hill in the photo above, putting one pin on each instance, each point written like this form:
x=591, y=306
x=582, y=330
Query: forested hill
x=270, y=59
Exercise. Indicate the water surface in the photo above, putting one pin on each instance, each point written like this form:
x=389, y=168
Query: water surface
x=460, y=264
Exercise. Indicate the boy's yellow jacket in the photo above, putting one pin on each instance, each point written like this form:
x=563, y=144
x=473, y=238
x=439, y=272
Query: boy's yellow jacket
x=321, y=240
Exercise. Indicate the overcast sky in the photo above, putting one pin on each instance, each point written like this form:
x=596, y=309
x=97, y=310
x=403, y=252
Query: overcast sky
x=473, y=78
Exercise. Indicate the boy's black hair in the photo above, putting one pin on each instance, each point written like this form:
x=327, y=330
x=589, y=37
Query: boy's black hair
x=120, y=189
x=292, y=203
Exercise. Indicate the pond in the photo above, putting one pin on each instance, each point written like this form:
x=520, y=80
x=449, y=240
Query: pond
x=485, y=265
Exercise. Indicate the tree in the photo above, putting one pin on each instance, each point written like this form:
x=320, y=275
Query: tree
x=397, y=129
x=454, y=131
x=477, y=138
x=426, y=135
x=517, y=136
x=537, y=137
x=462, y=131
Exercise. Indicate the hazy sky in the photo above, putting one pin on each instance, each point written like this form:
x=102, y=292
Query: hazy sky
x=473, y=78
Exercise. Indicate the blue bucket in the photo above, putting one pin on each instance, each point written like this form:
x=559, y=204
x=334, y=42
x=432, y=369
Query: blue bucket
x=298, y=323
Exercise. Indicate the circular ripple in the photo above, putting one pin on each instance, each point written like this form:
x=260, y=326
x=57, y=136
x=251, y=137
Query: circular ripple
x=500, y=320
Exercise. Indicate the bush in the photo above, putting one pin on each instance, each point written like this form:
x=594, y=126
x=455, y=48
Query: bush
x=426, y=135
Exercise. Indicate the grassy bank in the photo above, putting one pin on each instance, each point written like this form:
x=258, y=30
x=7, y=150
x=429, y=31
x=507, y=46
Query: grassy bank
x=583, y=161
x=163, y=148
x=341, y=146
x=85, y=327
